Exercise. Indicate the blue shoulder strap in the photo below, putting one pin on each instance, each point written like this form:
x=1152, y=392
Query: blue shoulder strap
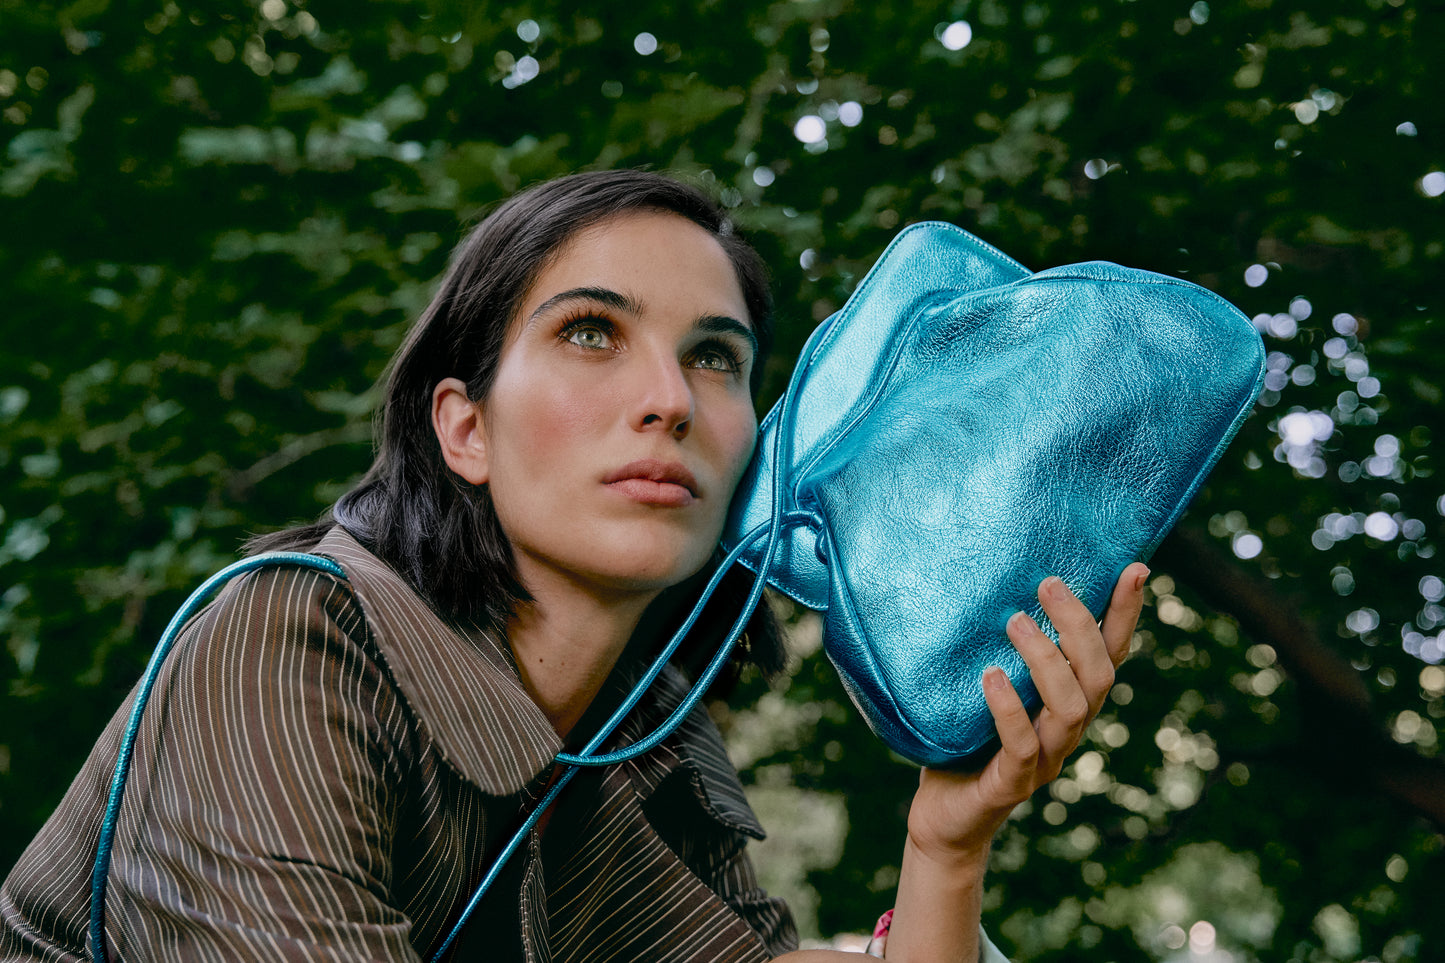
x=143, y=693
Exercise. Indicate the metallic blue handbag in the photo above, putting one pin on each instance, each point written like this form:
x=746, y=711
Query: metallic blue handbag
x=961, y=429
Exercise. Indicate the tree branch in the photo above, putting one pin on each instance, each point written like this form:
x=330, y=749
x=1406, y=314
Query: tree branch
x=1340, y=720
x=240, y=483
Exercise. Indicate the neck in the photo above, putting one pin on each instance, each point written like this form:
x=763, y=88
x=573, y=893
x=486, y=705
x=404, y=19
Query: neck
x=567, y=640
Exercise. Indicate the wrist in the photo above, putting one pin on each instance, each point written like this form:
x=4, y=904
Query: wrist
x=962, y=861
x=940, y=896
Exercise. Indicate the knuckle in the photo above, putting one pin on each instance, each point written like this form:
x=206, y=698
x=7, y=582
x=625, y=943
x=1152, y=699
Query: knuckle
x=1100, y=678
x=1074, y=710
x=1026, y=755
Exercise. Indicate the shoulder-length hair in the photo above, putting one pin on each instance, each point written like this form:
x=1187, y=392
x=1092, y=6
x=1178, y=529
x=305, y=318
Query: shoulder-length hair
x=438, y=531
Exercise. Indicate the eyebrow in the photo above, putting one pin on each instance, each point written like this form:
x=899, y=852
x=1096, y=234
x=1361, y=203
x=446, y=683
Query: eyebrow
x=722, y=324
x=707, y=324
x=607, y=296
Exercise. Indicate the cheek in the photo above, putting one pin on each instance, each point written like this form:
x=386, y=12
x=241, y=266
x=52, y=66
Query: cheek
x=740, y=435
x=540, y=421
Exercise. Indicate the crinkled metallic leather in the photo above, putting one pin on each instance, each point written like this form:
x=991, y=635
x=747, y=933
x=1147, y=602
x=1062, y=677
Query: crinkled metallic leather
x=963, y=429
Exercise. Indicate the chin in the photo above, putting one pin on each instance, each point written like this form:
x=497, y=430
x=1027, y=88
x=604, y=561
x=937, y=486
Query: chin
x=640, y=570
x=650, y=579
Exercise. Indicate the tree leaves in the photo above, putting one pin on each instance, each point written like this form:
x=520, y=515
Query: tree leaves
x=220, y=222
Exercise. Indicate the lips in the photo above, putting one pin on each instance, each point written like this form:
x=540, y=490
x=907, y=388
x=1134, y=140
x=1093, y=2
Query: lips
x=654, y=482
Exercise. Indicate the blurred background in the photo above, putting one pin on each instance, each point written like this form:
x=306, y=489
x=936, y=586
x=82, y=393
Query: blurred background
x=217, y=219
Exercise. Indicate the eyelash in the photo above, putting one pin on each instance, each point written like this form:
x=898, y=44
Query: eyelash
x=732, y=361
x=585, y=319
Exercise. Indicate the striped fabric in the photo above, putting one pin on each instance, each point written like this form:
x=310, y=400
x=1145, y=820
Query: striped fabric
x=326, y=770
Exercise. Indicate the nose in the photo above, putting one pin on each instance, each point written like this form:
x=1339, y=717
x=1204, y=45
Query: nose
x=664, y=399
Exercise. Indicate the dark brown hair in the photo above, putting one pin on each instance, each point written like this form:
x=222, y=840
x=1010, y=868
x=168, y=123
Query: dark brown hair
x=440, y=532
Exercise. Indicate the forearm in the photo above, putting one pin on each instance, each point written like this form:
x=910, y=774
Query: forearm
x=940, y=899
x=936, y=916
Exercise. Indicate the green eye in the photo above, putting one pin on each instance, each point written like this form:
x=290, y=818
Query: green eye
x=715, y=361
x=588, y=336
x=717, y=357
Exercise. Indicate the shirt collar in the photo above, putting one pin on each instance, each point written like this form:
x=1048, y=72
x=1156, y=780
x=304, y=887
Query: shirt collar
x=464, y=691
x=459, y=685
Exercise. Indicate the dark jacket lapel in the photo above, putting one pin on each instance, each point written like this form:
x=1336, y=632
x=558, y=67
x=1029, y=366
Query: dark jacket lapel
x=461, y=688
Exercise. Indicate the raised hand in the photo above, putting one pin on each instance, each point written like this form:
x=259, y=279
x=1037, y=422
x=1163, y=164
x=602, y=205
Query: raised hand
x=961, y=811
x=955, y=814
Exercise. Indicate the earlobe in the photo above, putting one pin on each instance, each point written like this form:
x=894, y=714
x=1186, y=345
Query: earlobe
x=460, y=429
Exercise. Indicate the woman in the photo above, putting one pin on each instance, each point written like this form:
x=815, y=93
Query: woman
x=328, y=766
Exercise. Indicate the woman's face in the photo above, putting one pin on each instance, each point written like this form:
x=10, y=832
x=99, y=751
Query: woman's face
x=620, y=419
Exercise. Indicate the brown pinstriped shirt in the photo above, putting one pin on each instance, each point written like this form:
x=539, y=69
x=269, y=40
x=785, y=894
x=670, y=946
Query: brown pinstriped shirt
x=327, y=768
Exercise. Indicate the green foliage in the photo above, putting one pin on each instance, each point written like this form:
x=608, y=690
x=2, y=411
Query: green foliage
x=220, y=219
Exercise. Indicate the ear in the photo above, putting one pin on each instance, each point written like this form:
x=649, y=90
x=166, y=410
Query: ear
x=458, y=423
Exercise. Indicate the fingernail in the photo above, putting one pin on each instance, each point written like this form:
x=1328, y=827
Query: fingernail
x=1143, y=577
x=993, y=678
x=1053, y=585
x=1020, y=622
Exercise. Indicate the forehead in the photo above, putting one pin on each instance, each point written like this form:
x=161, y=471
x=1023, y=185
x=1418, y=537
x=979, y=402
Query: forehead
x=659, y=259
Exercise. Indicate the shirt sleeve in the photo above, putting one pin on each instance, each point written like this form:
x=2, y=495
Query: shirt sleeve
x=728, y=871
x=259, y=817
x=987, y=952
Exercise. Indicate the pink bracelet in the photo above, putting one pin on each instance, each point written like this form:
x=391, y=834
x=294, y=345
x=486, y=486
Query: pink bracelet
x=879, y=942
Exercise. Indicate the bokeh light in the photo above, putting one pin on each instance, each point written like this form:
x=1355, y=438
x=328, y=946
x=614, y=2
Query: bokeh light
x=1300, y=432
x=1283, y=326
x=645, y=44
x=957, y=35
x=1362, y=620
x=1426, y=648
x=810, y=129
x=1247, y=545
x=526, y=68
x=1381, y=526
x=1201, y=937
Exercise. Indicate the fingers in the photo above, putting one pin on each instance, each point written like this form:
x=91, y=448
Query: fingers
x=1091, y=663
x=1123, y=611
x=1016, y=762
x=1067, y=709
x=1073, y=678
x=962, y=810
